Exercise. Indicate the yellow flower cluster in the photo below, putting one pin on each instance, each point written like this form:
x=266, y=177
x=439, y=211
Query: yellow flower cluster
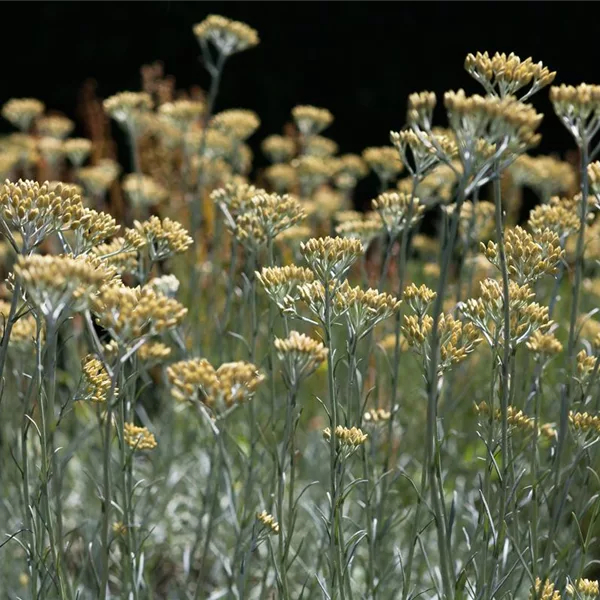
x=153, y=352
x=398, y=211
x=349, y=168
x=310, y=119
x=504, y=75
x=419, y=298
x=487, y=311
x=585, y=366
x=130, y=313
x=578, y=108
x=77, y=150
x=118, y=254
x=55, y=126
x=278, y=148
x=227, y=36
x=384, y=161
x=301, y=355
x=268, y=521
x=59, y=283
x=281, y=283
x=544, y=590
x=96, y=179
x=182, y=113
x=238, y=123
x=329, y=258
x=423, y=149
x=124, y=107
x=558, y=217
x=457, y=339
x=584, y=422
x=364, y=230
x=143, y=191
x=320, y=147
x=197, y=380
x=96, y=380
x=24, y=330
x=35, y=211
x=138, y=438
x=21, y=112
x=282, y=177
x=587, y=589
x=476, y=221
x=377, y=416
x=162, y=239
x=388, y=343
x=544, y=343
x=91, y=229
x=545, y=174
x=528, y=258
x=265, y=217
x=420, y=108
x=348, y=438
x=514, y=416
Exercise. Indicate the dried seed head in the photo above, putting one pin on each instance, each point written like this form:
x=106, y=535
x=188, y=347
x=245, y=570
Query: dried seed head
x=229, y=37
x=311, y=120
x=278, y=148
x=21, y=112
x=138, y=438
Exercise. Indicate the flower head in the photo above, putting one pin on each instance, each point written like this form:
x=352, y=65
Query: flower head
x=238, y=123
x=278, y=148
x=162, y=239
x=138, y=438
x=398, y=211
x=311, y=120
x=229, y=37
x=182, y=113
x=55, y=126
x=96, y=382
x=584, y=589
x=77, y=150
x=300, y=355
x=21, y=112
x=384, y=161
x=125, y=107
x=143, y=191
x=578, y=108
x=330, y=258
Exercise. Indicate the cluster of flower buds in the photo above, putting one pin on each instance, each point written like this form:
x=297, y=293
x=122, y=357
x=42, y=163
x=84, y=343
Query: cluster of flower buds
x=54, y=126
x=419, y=298
x=544, y=344
x=182, y=113
x=579, y=110
x=330, y=258
x=227, y=36
x=138, y=438
x=419, y=153
x=77, y=150
x=476, y=221
x=126, y=107
x=58, y=285
x=311, y=120
x=487, y=313
x=557, y=217
x=265, y=217
x=385, y=162
x=348, y=440
x=238, y=123
x=312, y=172
x=503, y=75
x=142, y=191
x=36, y=211
x=583, y=589
x=528, y=258
x=161, y=239
x=398, y=211
x=268, y=522
x=363, y=229
x=586, y=367
x=219, y=389
x=92, y=228
x=96, y=382
x=281, y=283
x=377, y=416
x=21, y=112
x=546, y=175
x=278, y=148
x=24, y=331
x=132, y=313
x=544, y=590
x=300, y=355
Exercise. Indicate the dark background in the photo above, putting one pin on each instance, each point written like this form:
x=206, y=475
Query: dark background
x=359, y=59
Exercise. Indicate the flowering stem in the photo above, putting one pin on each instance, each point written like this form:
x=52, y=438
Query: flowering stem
x=505, y=360
x=106, y=467
x=8, y=324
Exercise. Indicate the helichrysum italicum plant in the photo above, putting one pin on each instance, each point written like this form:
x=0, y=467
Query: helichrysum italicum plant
x=100, y=358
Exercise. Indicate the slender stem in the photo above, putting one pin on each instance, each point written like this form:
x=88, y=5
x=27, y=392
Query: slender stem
x=8, y=324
